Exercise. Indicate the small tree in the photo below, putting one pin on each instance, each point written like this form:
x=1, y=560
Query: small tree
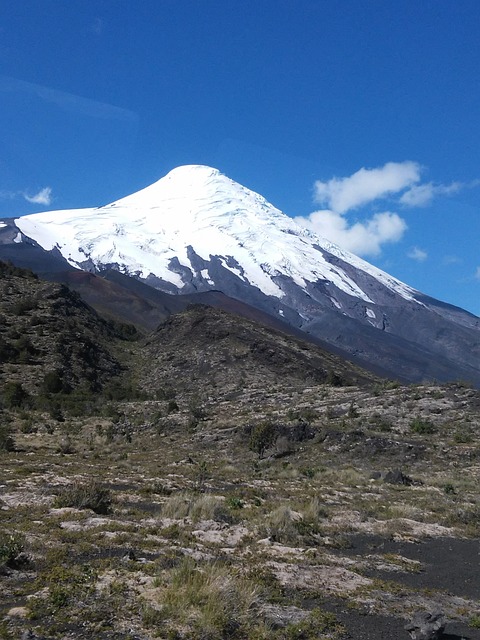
x=262, y=436
x=14, y=395
x=6, y=441
x=52, y=382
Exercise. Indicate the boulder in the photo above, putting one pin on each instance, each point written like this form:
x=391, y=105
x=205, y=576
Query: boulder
x=397, y=477
x=426, y=626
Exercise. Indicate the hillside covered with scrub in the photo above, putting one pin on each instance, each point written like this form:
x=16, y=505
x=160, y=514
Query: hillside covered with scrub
x=215, y=479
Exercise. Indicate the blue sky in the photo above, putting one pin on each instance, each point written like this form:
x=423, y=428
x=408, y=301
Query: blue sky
x=359, y=116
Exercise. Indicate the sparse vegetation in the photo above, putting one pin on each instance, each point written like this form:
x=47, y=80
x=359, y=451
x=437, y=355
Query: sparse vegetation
x=212, y=599
x=6, y=439
x=11, y=546
x=273, y=510
x=422, y=426
x=85, y=495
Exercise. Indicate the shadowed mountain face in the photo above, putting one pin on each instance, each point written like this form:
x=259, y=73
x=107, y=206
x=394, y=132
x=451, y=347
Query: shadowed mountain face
x=210, y=349
x=50, y=339
x=197, y=236
x=52, y=342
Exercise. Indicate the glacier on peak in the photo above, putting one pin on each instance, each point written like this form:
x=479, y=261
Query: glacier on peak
x=197, y=207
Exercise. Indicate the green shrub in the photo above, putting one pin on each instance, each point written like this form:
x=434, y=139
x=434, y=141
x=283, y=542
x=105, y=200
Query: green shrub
x=449, y=489
x=172, y=406
x=23, y=306
x=211, y=600
x=334, y=379
x=474, y=622
x=88, y=495
x=204, y=507
x=8, y=353
x=165, y=393
x=314, y=626
x=6, y=441
x=53, y=382
x=235, y=503
x=305, y=414
x=25, y=350
x=56, y=412
x=262, y=436
x=422, y=426
x=308, y=472
x=380, y=423
x=120, y=390
x=463, y=435
x=11, y=546
x=14, y=395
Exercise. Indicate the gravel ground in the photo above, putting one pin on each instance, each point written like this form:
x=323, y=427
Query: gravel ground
x=450, y=565
x=374, y=627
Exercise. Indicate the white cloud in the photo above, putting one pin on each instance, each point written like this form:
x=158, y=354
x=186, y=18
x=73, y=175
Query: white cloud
x=366, y=185
x=399, y=181
x=68, y=101
x=44, y=196
x=420, y=195
x=477, y=273
x=7, y=195
x=361, y=238
x=417, y=254
x=448, y=260
x=97, y=26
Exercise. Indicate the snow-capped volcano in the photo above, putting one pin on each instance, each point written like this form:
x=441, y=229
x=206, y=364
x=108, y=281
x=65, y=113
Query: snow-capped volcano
x=197, y=209
x=196, y=230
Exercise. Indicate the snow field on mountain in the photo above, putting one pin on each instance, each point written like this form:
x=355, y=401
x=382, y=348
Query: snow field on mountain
x=196, y=206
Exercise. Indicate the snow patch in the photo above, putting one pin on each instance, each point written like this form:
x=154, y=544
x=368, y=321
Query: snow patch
x=370, y=313
x=206, y=276
x=18, y=238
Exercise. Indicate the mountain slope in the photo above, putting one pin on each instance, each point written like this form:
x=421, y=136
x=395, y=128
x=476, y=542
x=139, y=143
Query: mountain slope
x=51, y=342
x=196, y=231
x=50, y=339
x=206, y=349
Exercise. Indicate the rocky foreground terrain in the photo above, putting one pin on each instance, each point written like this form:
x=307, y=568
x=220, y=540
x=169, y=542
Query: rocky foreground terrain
x=156, y=486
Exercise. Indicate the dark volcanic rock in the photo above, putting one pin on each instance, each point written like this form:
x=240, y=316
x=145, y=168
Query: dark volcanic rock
x=203, y=345
x=397, y=477
x=426, y=626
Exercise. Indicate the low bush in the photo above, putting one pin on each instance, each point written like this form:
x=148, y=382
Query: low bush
x=172, y=406
x=319, y=624
x=6, y=440
x=422, y=426
x=204, y=507
x=212, y=599
x=11, y=546
x=14, y=395
x=282, y=525
x=474, y=622
x=88, y=495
